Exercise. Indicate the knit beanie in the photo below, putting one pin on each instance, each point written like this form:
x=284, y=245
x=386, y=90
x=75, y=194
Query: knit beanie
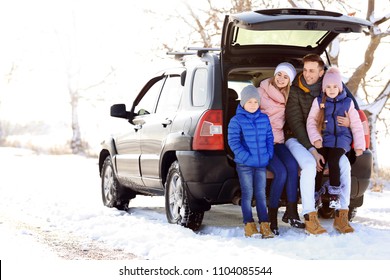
x=249, y=92
x=332, y=76
x=288, y=68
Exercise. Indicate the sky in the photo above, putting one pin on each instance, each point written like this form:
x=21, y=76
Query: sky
x=61, y=194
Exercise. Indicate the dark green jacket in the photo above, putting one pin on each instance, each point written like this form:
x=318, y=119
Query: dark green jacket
x=297, y=109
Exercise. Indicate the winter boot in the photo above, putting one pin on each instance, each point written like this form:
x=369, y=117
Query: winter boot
x=273, y=218
x=341, y=221
x=312, y=224
x=291, y=216
x=334, y=201
x=265, y=230
x=250, y=229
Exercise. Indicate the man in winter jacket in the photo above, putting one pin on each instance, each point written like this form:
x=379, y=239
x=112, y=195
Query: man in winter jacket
x=306, y=87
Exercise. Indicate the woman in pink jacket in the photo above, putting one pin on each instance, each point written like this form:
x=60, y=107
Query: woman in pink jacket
x=274, y=94
x=331, y=140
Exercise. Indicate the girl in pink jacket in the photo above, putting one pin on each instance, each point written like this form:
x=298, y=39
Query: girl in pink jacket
x=273, y=95
x=330, y=139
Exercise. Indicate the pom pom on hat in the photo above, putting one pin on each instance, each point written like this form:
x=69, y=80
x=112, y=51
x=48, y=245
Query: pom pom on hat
x=332, y=76
x=249, y=92
x=288, y=68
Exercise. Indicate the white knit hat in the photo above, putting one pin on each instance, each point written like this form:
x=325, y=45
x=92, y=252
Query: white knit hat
x=288, y=68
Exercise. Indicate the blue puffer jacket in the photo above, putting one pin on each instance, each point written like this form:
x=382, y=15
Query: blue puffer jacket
x=250, y=138
x=335, y=136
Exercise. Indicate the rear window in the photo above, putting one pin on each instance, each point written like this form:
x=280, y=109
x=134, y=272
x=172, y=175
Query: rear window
x=300, y=38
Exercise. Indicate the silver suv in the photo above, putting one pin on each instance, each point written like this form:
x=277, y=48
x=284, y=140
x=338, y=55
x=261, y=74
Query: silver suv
x=176, y=141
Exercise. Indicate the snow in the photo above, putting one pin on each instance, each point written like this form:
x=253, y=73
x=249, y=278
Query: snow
x=62, y=193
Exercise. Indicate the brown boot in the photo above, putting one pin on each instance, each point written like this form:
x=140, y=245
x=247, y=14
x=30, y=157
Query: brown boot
x=250, y=229
x=265, y=230
x=341, y=222
x=312, y=224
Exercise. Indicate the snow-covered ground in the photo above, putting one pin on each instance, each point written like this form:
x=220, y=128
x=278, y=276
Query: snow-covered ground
x=62, y=194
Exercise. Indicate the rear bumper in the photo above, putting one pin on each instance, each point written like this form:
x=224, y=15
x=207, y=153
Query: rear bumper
x=209, y=176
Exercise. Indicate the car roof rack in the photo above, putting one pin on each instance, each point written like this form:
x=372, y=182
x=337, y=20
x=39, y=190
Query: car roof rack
x=180, y=55
x=200, y=51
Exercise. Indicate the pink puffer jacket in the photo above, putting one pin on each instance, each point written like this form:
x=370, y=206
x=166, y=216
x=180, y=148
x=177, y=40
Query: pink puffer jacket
x=273, y=104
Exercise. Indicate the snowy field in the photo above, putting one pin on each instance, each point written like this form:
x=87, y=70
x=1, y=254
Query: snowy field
x=62, y=194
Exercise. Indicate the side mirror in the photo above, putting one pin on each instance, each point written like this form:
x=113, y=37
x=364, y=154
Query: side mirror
x=119, y=111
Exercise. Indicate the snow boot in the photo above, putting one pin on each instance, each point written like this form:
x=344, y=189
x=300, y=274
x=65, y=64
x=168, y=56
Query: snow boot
x=265, y=230
x=341, y=222
x=250, y=229
x=273, y=218
x=334, y=201
x=312, y=224
x=291, y=216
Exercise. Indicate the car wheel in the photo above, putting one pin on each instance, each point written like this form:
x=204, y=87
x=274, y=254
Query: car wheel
x=326, y=212
x=176, y=201
x=113, y=194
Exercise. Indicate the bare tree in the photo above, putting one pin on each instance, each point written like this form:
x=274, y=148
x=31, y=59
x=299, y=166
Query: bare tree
x=358, y=79
x=72, y=62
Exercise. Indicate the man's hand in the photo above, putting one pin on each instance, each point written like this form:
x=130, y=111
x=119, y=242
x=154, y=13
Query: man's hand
x=319, y=158
x=343, y=121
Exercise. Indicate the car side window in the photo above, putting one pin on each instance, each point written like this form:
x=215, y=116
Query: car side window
x=199, y=87
x=147, y=104
x=170, y=95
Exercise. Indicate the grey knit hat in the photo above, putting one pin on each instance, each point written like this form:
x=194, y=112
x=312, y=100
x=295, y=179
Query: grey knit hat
x=249, y=92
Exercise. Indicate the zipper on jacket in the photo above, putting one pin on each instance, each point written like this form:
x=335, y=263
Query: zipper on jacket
x=334, y=123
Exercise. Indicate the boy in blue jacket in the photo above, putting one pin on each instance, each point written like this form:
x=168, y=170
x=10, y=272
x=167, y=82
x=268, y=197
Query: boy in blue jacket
x=251, y=140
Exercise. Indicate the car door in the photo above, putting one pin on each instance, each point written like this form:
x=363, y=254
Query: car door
x=155, y=128
x=287, y=33
x=128, y=143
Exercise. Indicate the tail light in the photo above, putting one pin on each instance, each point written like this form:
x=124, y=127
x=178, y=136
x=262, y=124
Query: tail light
x=208, y=133
x=366, y=128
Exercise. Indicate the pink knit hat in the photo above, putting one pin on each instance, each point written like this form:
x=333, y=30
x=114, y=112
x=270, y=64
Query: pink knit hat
x=332, y=76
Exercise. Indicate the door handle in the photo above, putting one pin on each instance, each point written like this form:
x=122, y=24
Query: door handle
x=166, y=122
x=137, y=127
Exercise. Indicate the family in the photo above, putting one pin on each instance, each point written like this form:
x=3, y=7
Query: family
x=295, y=123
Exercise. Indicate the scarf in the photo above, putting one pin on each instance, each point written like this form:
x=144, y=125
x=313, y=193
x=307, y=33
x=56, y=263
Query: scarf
x=314, y=90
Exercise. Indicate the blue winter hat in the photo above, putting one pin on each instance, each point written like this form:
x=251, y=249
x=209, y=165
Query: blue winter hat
x=249, y=92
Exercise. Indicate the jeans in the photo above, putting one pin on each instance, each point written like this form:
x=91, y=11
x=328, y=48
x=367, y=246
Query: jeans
x=252, y=182
x=307, y=163
x=285, y=169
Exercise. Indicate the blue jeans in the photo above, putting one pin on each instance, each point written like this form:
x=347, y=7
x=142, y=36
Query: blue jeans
x=285, y=169
x=252, y=181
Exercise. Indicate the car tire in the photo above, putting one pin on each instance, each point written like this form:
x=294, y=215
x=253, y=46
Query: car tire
x=352, y=213
x=113, y=194
x=177, y=207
